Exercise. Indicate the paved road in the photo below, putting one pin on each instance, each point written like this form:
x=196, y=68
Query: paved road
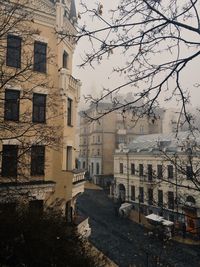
x=126, y=242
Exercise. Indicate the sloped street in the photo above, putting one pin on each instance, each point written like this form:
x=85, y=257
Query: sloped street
x=127, y=243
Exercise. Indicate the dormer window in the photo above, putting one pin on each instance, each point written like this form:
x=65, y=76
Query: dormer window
x=65, y=60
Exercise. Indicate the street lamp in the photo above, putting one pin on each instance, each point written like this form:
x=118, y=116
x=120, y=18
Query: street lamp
x=139, y=218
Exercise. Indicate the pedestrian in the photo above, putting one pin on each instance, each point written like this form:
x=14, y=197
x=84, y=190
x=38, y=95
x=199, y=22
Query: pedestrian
x=116, y=210
x=184, y=230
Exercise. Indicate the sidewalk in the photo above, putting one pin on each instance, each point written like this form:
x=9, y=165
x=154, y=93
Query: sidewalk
x=96, y=252
x=186, y=241
x=134, y=215
x=91, y=185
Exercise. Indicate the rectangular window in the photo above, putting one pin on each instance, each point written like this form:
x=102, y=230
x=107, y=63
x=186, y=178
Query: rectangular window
x=69, y=112
x=69, y=158
x=170, y=171
x=13, y=55
x=150, y=196
x=133, y=192
x=40, y=57
x=132, y=168
x=150, y=172
x=11, y=107
x=39, y=108
x=141, y=170
x=92, y=166
x=37, y=160
x=65, y=59
x=171, y=200
x=97, y=168
x=83, y=164
x=189, y=172
x=159, y=172
x=121, y=167
x=160, y=198
x=141, y=194
x=9, y=161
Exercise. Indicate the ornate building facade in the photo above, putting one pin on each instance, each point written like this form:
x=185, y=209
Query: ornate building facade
x=38, y=106
x=159, y=174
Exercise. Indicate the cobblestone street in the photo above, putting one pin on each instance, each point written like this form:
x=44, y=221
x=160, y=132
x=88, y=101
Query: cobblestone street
x=127, y=243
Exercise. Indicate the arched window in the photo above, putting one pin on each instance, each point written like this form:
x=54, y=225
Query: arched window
x=190, y=199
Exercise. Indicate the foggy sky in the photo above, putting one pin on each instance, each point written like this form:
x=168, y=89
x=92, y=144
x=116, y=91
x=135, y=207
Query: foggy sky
x=93, y=80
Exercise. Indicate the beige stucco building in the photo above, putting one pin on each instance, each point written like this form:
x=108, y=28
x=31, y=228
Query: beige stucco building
x=159, y=174
x=99, y=138
x=40, y=108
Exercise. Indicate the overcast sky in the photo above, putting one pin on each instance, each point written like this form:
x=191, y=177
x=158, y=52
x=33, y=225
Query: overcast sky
x=93, y=80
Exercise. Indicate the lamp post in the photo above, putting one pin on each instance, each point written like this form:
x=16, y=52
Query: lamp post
x=139, y=218
x=127, y=157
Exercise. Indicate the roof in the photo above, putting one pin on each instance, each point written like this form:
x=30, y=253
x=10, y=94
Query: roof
x=170, y=142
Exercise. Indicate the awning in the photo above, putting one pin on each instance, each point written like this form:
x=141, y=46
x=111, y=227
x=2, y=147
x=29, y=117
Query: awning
x=156, y=218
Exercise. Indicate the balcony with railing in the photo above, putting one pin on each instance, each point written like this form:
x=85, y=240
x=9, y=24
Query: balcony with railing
x=78, y=181
x=68, y=82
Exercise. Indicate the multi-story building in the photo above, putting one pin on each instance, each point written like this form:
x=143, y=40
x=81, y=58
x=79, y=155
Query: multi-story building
x=159, y=174
x=38, y=106
x=99, y=138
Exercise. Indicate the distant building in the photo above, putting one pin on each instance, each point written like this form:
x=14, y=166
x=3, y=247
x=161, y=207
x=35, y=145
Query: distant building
x=173, y=121
x=99, y=138
x=159, y=174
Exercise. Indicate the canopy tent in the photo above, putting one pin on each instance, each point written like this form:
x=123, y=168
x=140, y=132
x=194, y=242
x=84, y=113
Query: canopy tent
x=156, y=218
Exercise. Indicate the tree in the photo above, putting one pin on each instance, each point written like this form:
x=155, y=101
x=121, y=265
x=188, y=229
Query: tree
x=31, y=238
x=19, y=122
x=159, y=41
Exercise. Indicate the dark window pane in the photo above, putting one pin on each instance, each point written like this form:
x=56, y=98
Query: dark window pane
x=189, y=172
x=39, y=108
x=133, y=192
x=97, y=168
x=160, y=198
x=13, y=55
x=9, y=161
x=83, y=164
x=150, y=172
x=121, y=168
x=69, y=112
x=141, y=170
x=159, y=172
x=170, y=200
x=37, y=160
x=69, y=158
x=170, y=171
x=65, y=58
x=40, y=56
x=11, y=107
x=141, y=194
x=132, y=168
x=150, y=196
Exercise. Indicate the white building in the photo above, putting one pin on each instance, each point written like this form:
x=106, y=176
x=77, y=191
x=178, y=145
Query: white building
x=159, y=174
